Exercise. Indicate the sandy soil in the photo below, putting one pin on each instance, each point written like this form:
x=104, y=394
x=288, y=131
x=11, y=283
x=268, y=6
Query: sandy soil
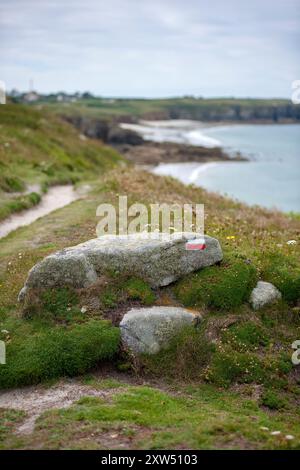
x=37, y=399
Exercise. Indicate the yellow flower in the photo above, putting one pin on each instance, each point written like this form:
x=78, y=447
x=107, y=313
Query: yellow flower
x=230, y=237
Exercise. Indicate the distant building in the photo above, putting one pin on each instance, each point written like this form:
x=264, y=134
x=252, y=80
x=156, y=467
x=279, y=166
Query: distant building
x=31, y=97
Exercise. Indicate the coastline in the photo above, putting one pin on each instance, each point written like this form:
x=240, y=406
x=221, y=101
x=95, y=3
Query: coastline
x=263, y=147
x=154, y=153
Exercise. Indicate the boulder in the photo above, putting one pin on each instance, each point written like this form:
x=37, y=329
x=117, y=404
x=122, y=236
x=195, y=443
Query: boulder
x=148, y=330
x=153, y=258
x=117, y=135
x=263, y=294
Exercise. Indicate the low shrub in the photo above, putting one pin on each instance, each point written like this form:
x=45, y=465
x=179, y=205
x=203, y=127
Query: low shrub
x=58, y=352
x=228, y=366
x=273, y=400
x=223, y=287
x=246, y=335
x=18, y=204
x=126, y=289
x=11, y=184
x=58, y=301
x=185, y=357
x=284, y=273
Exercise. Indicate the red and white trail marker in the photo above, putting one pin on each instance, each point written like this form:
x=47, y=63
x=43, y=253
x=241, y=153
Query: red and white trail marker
x=196, y=244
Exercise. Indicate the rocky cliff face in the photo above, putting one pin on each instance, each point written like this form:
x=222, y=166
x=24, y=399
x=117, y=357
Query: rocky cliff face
x=111, y=133
x=236, y=112
x=107, y=131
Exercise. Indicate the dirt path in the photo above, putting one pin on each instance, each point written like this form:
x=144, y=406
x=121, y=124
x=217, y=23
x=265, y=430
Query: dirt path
x=56, y=197
x=37, y=399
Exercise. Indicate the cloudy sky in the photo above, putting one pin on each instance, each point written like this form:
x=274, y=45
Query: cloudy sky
x=152, y=48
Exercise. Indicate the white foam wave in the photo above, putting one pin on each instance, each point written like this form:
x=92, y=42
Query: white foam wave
x=180, y=132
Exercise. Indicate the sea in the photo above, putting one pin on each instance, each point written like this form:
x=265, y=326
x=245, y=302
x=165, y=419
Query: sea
x=269, y=178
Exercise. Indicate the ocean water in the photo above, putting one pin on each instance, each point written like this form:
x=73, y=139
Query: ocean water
x=179, y=131
x=271, y=177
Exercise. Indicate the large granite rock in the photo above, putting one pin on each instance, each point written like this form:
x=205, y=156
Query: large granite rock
x=157, y=260
x=148, y=330
x=264, y=293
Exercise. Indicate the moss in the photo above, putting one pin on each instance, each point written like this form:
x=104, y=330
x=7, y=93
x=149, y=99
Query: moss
x=222, y=287
x=137, y=289
x=58, y=351
x=246, y=335
x=229, y=366
x=121, y=289
x=284, y=273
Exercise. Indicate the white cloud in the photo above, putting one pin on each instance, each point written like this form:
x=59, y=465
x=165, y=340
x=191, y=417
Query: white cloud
x=158, y=48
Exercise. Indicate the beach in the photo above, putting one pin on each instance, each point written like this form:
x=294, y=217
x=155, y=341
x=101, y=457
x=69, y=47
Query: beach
x=253, y=163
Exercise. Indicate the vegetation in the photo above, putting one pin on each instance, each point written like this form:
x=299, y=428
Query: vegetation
x=216, y=383
x=17, y=204
x=144, y=417
x=118, y=291
x=197, y=108
x=223, y=287
x=58, y=351
x=185, y=357
x=284, y=273
x=40, y=148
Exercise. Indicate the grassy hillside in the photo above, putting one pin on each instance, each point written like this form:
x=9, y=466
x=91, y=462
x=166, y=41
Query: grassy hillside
x=39, y=148
x=186, y=108
x=228, y=384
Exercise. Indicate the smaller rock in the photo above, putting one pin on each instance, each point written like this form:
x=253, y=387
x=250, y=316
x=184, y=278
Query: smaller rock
x=264, y=293
x=148, y=330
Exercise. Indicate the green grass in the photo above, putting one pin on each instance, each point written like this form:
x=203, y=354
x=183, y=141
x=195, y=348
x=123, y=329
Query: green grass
x=121, y=289
x=18, y=204
x=284, y=273
x=201, y=109
x=194, y=417
x=273, y=400
x=223, y=287
x=8, y=420
x=58, y=351
x=223, y=371
x=247, y=335
x=38, y=147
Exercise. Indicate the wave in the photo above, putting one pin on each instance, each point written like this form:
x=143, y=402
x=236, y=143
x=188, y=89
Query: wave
x=181, y=132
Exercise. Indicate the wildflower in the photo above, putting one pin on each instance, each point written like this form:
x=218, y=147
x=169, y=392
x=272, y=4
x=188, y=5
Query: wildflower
x=264, y=428
x=275, y=433
x=289, y=437
x=291, y=242
x=230, y=237
x=83, y=310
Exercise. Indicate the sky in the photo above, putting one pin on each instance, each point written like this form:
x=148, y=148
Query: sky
x=151, y=48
